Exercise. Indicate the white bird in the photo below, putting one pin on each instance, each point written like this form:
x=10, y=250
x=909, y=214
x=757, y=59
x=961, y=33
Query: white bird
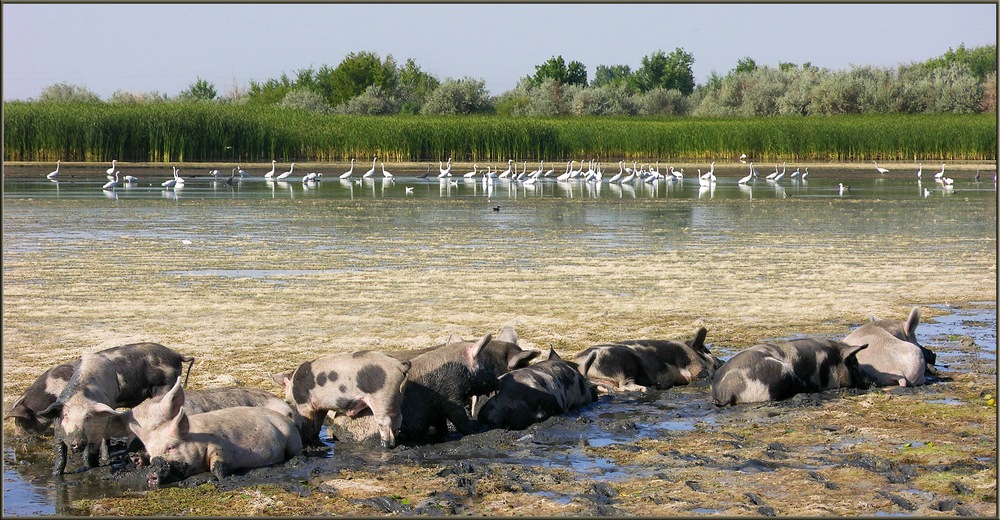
x=111, y=184
x=385, y=174
x=370, y=172
x=749, y=176
x=130, y=179
x=180, y=180
x=920, y=170
x=883, y=171
x=242, y=172
x=743, y=158
x=215, y=173
x=947, y=181
x=771, y=176
x=843, y=188
x=939, y=174
x=309, y=177
x=927, y=193
x=568, y=172
x=794, y=174
x=270, y=174
x=805, y=173
x=169, y=183
x=473, y=173
x=409, y=190
x=111, y=171
x=54, y=174
x=348, y=173
x=285, y=175
x=506, y=173
x=445, y=172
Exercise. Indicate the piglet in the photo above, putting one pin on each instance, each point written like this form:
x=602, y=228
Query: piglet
x=777, y=371
x=219, y=441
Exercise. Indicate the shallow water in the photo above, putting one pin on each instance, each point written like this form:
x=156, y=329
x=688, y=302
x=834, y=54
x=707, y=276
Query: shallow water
x=361, y=223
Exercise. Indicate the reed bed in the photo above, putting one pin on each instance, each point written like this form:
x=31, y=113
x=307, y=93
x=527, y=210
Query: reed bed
x=201, y=132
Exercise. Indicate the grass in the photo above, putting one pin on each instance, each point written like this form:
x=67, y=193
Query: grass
x=198, y=132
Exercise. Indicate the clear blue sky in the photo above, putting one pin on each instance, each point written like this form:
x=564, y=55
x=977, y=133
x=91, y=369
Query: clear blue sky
x=166, y=47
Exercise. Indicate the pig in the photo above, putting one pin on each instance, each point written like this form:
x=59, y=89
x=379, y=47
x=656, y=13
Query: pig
x=780, y=370
x=348, y=384
x=637, y=365
x=116, y=377
x=440, y=382
x=893, y=357
x=533, y=394
x=220, y=441
x=39, y=396
x=147, y=413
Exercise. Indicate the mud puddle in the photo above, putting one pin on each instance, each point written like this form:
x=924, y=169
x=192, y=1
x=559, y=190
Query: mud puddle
x=580, y=460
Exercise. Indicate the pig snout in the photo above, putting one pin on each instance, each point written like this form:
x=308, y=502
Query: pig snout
x=153, y=479
x=138, y=460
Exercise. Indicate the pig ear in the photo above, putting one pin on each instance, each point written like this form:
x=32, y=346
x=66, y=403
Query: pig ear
x=872, y=318
x=508, y=334
x=473, y=350
x=698, y=343
x=522, y=358
x=454, y=338
x=174, y=399
x=102, y=410
x=551, y=354
x=406, y=367
x=53, y=411
x=18, y=410
x=587, y=361
x=179, y=425
x=281, y=379
x=912, y=322
x=847, y=351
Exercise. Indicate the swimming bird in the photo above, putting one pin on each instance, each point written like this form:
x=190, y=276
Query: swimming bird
x=370, y=172
x=496, y=208
x=270, y=174
x=843, y=188
x=409, y=190
x=110, y=171
x=348, y=173
x=385, y=174
x=53, y=175
x=927, y=193
x=743, y=158
x=111, y=184
x=285, y=175
x=883, y=171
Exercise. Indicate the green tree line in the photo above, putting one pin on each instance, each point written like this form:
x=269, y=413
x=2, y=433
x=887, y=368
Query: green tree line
x=961, y=80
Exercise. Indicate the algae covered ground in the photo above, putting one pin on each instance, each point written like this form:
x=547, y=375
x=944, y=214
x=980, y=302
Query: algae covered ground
x=256, y=286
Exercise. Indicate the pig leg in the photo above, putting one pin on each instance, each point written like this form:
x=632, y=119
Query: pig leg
x=456, y=414
x=220, y=468
x=60, y=464
x=94, y=454
x=105, y=453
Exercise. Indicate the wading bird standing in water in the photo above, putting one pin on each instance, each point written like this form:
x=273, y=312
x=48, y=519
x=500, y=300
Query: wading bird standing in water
x=881, y=170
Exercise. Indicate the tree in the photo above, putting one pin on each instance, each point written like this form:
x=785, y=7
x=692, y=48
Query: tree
x=464, y=96
x=305, y=99
x=744, y=65
x=415, y=85
x=980, y=60
x=555, y=68
x=354, y=75
x=200, y=90
x=606, y=76
x=65, y=92
x=671, y=71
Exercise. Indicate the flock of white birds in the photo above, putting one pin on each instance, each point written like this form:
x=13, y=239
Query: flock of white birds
x=594, y=172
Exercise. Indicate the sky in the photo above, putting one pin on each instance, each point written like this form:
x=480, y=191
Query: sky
x=167, y=47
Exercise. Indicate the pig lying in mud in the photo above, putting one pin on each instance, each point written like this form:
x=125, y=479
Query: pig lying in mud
x=39, y=396
x=637, y=365
x=440, y=383
x=149, y=413
x=347, y=384
x=219, y=441
x=533, y=394
x=116, y=377
x=777, y=371
x=893, y=357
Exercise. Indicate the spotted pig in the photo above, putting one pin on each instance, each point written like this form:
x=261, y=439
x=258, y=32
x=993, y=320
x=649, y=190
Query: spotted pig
x=347, y=384
x=776, y=371
x=39, y=396
x=533, y=394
